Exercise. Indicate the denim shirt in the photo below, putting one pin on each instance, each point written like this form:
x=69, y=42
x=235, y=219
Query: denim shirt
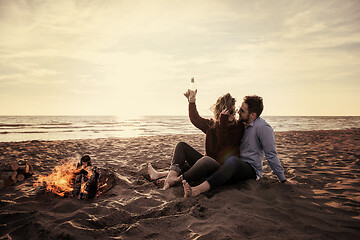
x=259, y=139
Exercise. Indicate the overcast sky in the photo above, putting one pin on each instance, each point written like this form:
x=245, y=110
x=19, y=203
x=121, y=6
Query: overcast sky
x=112, y=57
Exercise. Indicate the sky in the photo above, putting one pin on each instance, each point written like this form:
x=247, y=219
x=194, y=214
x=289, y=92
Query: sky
x=126, y=58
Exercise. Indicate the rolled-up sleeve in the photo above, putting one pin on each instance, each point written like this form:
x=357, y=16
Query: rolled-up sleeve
x=267, y=141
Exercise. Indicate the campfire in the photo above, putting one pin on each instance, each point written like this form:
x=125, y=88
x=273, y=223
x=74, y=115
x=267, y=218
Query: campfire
x=81, y=180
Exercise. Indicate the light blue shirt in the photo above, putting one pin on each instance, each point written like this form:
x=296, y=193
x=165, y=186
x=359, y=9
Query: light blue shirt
x=258, y=139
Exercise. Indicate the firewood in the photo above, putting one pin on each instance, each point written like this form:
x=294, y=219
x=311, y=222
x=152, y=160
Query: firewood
x=85, y=160
x=2, y=184
x=8, y=175
x=31, y=169
x=13, y=166
x=26, y=169
x=20, y=177
x=91, y=186
x=23, y=168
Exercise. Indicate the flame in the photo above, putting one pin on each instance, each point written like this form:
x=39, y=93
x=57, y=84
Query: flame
x=60, y=180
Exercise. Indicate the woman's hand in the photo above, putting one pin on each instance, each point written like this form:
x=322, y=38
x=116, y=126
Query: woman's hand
x=191, y=95
x=227, y=112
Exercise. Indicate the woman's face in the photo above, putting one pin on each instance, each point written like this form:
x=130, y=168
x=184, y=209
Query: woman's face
x=232, y=113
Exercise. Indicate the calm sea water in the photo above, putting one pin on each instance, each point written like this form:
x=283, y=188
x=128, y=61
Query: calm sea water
x=23, y=128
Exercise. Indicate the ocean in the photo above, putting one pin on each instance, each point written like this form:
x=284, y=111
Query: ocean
x=24, y=128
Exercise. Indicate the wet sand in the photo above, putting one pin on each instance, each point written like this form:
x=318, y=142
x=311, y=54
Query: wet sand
x=324, y=205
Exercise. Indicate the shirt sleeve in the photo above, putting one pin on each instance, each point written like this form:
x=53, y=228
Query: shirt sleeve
x=267, y=140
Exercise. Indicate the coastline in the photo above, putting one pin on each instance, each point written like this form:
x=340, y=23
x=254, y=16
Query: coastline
x=45, y=128
x=326, y=203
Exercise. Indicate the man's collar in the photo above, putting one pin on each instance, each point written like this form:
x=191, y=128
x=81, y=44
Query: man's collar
x=252, y=123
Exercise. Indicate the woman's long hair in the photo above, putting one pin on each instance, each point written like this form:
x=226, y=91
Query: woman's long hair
x=223, y=102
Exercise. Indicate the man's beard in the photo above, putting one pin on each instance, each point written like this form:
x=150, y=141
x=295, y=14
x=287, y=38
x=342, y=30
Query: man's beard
x=244, y=120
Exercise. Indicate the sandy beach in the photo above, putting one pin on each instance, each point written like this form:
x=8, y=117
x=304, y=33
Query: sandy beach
x=324, y=205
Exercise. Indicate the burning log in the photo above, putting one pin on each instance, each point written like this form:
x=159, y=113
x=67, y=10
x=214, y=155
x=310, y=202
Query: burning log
x=76, y=190
x=80, y=180
x=92, y=185
x=85, y=160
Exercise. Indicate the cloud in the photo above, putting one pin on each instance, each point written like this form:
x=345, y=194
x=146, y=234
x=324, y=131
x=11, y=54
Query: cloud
x=113, y=49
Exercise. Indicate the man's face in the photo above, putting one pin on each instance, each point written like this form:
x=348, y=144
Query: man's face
x=244, y=113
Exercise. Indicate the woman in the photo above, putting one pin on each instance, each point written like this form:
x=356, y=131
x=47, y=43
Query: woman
x=223, y=137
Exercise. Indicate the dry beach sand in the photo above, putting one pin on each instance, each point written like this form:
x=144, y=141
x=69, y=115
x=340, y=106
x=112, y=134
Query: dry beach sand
x=325, y=205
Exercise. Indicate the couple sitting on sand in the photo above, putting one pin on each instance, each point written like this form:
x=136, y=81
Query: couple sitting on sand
x=234, y=149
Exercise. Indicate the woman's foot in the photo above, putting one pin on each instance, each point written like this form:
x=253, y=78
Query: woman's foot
x=171, y=179
x=155, y=174
x=160, y=181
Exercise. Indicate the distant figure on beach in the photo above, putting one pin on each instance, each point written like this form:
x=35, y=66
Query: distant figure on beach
x=223, y=138
x=258, y=139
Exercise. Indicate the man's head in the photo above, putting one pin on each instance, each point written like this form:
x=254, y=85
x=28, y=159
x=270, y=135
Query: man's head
x=251, y=109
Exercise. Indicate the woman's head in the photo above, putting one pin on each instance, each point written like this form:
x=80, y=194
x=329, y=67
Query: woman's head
x=223, y=102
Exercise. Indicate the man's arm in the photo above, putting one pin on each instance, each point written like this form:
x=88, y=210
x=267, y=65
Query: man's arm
x=267, y=140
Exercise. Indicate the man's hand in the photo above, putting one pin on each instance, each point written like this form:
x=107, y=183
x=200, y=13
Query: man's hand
x=191, y=95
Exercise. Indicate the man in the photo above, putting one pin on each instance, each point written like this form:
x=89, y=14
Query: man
x=258, y=140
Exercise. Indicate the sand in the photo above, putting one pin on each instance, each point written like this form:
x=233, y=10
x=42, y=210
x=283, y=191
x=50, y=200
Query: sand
x=324, y=205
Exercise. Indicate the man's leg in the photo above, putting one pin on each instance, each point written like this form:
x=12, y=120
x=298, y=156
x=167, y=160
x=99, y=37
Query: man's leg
x=233, y=168
x=194, y=191
x=202, y=169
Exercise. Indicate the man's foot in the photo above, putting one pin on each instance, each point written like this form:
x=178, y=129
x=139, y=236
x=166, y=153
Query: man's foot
x=195, y=191
x=171, y=179
x=187, y=189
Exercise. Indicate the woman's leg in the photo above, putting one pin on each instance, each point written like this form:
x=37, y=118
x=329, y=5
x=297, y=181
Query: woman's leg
x=202, y=169
x=184, y=157
x=156, y=174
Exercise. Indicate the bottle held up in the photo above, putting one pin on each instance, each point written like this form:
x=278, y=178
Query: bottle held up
x=192, y=84
x=191, y=94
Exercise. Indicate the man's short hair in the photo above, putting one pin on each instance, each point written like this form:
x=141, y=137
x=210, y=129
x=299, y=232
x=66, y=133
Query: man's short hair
x=255, y=104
